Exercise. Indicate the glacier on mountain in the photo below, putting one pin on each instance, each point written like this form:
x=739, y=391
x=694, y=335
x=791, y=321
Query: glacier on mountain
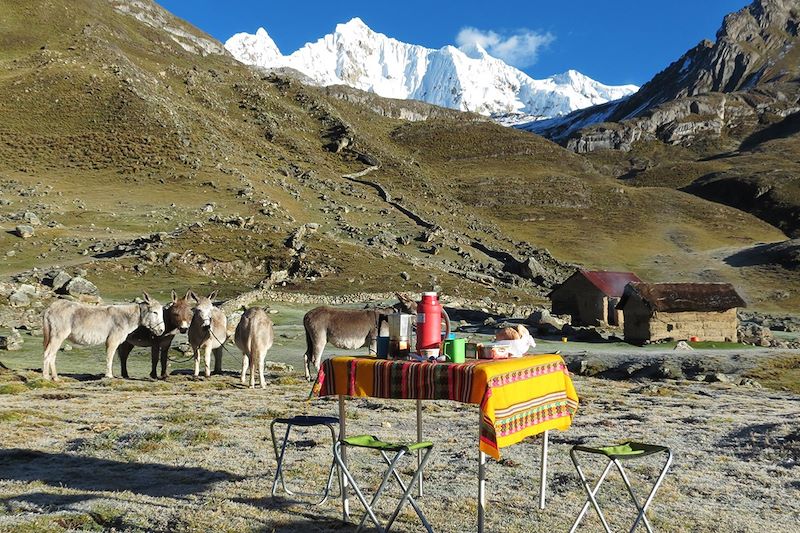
x=466, y=78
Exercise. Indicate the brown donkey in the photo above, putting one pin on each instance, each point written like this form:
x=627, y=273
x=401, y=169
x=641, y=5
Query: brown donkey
x=177, y=316
x=254, y=335
x=344, y=328
x=207, y=331
x=95, y=324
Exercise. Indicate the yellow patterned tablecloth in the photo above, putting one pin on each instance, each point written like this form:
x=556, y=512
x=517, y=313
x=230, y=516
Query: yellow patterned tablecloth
x=518, y=397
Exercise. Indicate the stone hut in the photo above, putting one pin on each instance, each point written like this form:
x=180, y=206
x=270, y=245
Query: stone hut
x=591, y=297
x=660, y=311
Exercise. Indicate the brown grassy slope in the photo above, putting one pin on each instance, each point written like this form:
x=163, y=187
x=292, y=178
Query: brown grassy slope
x=135, y=134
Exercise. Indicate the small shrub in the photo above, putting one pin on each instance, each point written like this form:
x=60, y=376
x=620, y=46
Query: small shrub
x=12, y=388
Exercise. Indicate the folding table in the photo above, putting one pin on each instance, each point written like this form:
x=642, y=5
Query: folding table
x=518, y=398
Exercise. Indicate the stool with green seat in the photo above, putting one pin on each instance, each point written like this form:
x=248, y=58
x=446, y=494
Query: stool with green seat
x=399, y=449
x=616, y=454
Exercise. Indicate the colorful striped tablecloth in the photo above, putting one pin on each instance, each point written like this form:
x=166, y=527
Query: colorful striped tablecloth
x=518, y=397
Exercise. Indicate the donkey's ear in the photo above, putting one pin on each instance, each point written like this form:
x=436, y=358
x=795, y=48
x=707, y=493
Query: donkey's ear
x=147, y=298
x=213, y=295
x=190, y=294
x=174, y=296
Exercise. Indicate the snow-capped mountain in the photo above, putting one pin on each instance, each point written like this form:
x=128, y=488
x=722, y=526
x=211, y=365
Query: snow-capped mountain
x=465, y=78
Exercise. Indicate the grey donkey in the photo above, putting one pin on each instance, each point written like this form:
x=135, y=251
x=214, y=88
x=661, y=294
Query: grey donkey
x=207, y=331
x=95, y=324
x=254, y=336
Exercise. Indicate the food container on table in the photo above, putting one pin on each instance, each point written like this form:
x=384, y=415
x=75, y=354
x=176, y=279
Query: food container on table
x=471, y=350
x=494, y=350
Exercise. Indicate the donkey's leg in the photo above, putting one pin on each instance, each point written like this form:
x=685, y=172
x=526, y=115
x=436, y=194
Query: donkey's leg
x=218, y=360
x=317, y=356
x=154, y=351
x=313, y=353
x=207, y=358
x=49, y=357
x=245, y=364
x=166, y=344
x=262, y=356
x=196, y=351
x=124, y=351
x=111, y=348
x=253, y=366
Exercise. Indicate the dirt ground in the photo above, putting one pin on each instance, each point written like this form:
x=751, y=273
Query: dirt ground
x=195, y=455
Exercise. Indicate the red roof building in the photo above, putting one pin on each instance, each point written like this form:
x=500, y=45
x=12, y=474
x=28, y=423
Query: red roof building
x=591, y=297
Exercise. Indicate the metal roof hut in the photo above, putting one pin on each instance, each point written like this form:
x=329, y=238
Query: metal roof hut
x=591, y=296
x=660, y=311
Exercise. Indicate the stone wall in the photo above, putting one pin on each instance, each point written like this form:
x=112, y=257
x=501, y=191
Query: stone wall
x=640, y=326
x=707, y=326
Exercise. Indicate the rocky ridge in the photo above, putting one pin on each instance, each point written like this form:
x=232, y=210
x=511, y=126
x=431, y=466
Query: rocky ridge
x=753, y=60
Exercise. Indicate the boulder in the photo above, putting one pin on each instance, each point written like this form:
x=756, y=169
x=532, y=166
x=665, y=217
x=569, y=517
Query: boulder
x=717, y=377
x=11, y=342
x=544, y=321
x=752, y=333
x=22, y=295
x=24, y=231
x=80, y=286
x=31, y=218
x=58, y=279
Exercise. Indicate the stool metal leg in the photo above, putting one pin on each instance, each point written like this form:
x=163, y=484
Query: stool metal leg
x=279, y=456
x=590, y=492
x=652, y=494
x=407, y=495
x=337, y=453
x=411, y=500
x=377, y=494
x=634, y=498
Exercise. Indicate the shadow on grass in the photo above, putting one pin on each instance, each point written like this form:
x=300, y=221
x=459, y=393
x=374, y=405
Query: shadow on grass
x=93, y=474
x=307, y=517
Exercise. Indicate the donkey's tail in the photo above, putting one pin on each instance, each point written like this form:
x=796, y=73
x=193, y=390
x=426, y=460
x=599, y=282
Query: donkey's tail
x=45, y=329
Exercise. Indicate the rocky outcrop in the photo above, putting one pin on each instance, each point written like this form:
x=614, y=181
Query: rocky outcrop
x=687, y=99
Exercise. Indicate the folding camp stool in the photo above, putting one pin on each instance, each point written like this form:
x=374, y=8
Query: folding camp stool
x=400, y=449
x=616, y=454
x=331, y=422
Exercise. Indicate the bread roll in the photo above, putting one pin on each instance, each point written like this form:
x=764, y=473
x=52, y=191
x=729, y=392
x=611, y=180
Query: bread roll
x=507, y=334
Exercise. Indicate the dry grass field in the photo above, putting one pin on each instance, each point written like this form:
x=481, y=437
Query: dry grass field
x=194, y=454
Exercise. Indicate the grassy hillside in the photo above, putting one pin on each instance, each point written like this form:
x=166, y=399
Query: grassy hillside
x=118, y=120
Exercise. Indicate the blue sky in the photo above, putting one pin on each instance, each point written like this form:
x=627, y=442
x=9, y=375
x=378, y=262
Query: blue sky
x=612, y=41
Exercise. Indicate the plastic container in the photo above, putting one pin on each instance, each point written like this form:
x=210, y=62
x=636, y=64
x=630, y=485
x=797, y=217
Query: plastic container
x=494, y=350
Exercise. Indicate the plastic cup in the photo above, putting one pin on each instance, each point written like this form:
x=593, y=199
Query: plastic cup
x=455, y=350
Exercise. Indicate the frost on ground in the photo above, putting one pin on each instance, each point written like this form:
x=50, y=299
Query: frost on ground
x=195, y=455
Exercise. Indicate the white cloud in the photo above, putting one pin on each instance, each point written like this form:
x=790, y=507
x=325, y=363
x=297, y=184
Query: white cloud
x=519, y=49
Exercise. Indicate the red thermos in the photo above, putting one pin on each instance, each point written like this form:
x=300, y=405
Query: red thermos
x=429, y=322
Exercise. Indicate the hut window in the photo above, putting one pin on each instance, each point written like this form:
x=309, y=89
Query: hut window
x=670, y=327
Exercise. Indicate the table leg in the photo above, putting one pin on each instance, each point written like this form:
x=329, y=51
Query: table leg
x=419, y=452
x=481, y=478
x=543, y=474
x=481, y=489
x=342, y=478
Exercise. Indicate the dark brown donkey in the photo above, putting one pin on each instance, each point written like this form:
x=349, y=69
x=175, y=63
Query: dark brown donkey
x=177, y=316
